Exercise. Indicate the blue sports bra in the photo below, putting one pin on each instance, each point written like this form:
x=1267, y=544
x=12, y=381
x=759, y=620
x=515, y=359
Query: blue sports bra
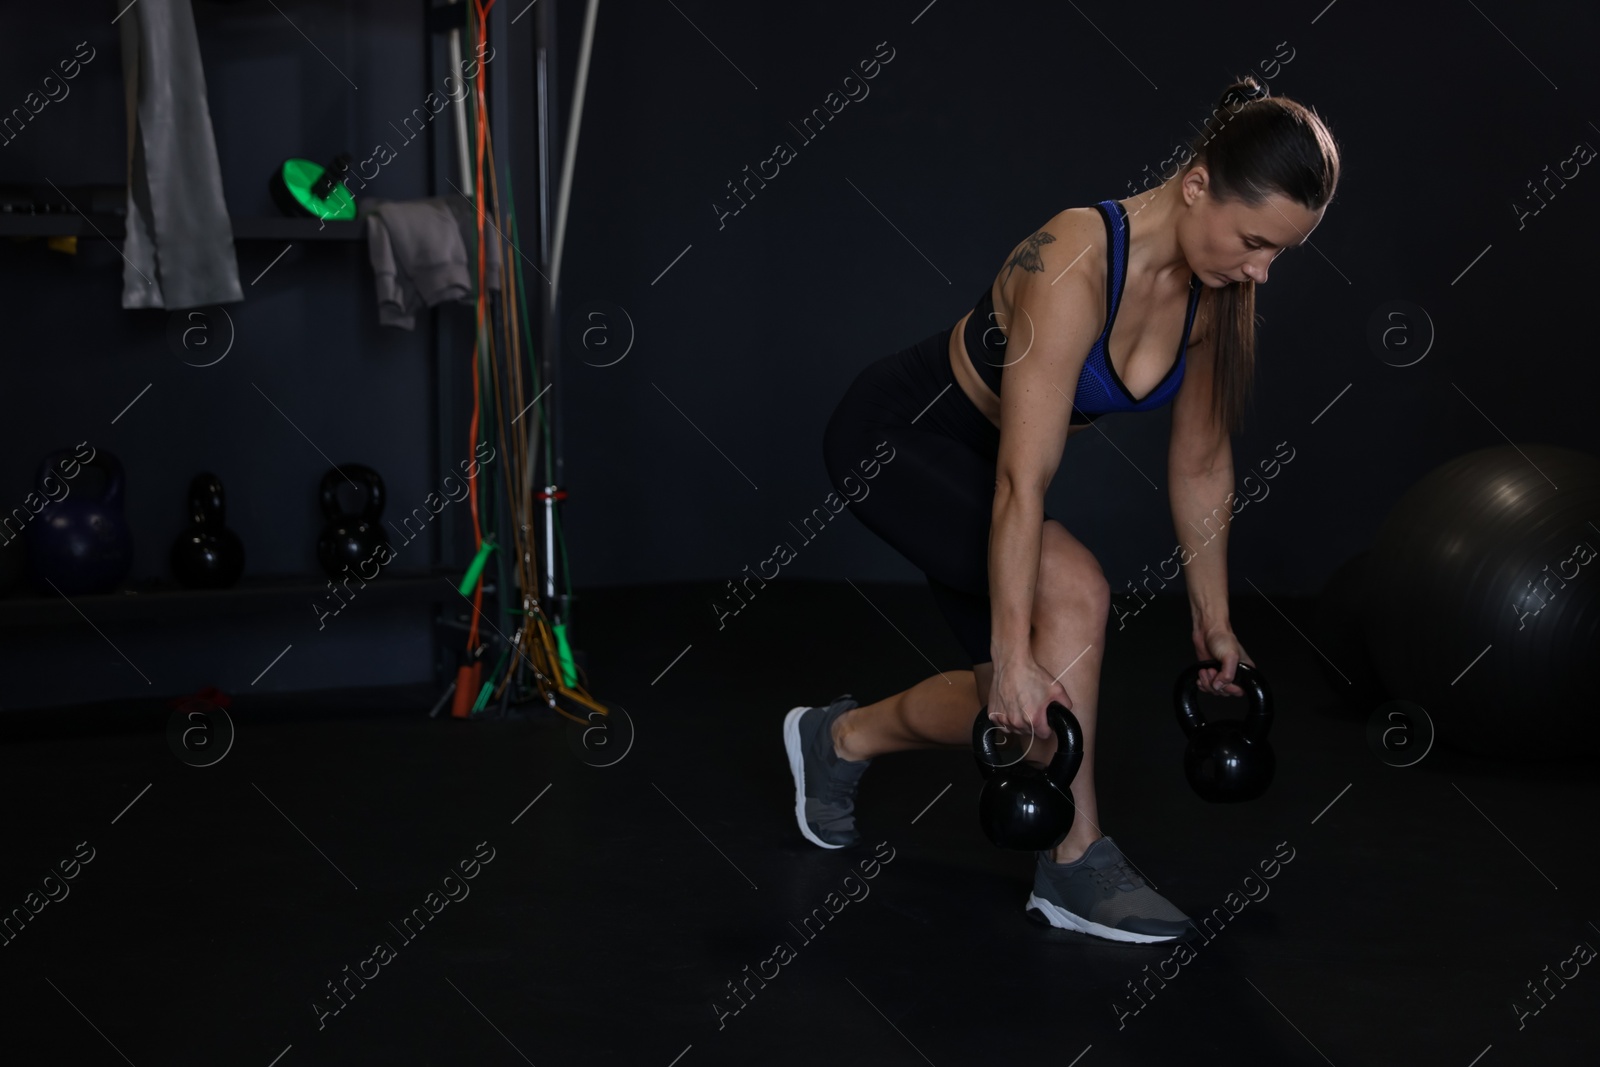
x=1100, y=390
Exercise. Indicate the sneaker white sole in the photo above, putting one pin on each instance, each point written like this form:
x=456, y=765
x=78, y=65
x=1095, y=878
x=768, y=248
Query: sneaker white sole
x=797, y=765
x=1061, y=917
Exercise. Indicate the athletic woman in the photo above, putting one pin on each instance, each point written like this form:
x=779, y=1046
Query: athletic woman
x=1124, y=306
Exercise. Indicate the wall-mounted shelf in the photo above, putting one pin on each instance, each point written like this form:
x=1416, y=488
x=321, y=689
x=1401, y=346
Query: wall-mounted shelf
x=267, y=228
x=251, y=596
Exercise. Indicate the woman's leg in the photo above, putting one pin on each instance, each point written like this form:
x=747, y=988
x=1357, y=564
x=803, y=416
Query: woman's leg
x=1069, y=624
x=932, y=500
x=1069, y=640
x=937, y=712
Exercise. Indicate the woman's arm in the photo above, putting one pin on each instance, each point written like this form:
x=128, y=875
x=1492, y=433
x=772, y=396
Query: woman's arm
x=1054, y=318
x=1200, y=488
x=1202, y=511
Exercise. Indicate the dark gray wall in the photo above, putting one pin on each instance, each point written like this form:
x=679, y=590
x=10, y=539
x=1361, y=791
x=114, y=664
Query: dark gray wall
x=989, y=119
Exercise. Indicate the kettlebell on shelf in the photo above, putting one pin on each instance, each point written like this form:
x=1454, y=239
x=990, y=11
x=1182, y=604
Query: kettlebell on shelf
x=207, y=555
x=81, y=542
x=1023, y=807
x=1231, y=759
x=352, y=540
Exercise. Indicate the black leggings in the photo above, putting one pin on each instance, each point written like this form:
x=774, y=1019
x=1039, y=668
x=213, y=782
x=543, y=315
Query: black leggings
x=933, y=501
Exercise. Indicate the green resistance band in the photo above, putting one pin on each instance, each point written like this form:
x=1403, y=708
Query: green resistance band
x=483, y=694
x=569, y=668
x=475, y=571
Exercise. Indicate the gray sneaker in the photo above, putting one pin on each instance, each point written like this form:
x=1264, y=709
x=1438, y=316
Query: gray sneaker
x=1101, y=894
x=824, y=784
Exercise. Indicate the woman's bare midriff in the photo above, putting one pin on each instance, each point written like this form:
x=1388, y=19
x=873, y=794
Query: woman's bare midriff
x=976, y=388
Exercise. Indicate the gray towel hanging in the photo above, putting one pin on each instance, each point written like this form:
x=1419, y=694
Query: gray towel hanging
x=179, y=247
x=421, y=255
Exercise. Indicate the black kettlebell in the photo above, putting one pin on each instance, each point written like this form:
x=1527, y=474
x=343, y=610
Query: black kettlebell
x=1229, y=760
x=207, y=555
x=352, y=540
x=1023, y=807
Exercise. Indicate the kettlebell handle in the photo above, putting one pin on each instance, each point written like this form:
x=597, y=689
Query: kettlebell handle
x=1069, y=745
x=110, y=466
x=366, y=479
x=1186, y=698
x=207, y=501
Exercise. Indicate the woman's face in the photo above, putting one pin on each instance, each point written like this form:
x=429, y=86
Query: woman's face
x=1229, y=241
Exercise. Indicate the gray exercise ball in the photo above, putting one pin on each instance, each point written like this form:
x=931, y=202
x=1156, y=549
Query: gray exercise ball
x=1484, y=601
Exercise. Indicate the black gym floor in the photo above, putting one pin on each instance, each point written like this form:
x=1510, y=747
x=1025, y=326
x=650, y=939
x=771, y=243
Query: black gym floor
x=611, y=906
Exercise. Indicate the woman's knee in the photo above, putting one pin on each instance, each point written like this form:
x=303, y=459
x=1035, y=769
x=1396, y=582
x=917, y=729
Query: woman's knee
x=1070, y=579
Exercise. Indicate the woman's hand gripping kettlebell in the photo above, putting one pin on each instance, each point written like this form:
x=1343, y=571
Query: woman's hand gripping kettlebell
x=1018, y=697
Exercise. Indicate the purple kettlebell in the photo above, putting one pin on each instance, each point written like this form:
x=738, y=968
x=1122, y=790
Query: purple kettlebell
x=81, y=542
